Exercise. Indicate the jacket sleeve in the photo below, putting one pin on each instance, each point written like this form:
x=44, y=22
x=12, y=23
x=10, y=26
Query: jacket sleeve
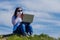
x=13, y=20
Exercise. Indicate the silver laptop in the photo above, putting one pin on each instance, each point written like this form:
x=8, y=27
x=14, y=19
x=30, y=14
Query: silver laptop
x=28, y=18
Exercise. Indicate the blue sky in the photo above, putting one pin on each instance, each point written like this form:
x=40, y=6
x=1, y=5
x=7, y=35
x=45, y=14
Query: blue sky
x=46, y=15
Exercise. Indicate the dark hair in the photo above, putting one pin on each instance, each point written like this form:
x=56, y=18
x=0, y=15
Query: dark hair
x=15, y=13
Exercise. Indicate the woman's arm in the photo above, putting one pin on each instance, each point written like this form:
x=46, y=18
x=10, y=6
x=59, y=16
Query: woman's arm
x=16, y=20
x=13, y=20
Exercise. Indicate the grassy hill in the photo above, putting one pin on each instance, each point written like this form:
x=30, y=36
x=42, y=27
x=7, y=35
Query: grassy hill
x=35, y=37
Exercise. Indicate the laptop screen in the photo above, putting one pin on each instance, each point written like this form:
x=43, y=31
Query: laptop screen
x=28, y=18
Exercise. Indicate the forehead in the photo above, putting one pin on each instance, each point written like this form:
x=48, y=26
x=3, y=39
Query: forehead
x=20, y=9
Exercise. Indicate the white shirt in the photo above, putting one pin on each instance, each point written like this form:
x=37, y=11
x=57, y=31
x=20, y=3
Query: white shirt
x=16, y=22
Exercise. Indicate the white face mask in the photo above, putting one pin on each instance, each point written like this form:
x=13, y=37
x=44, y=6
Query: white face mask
x=21, y=12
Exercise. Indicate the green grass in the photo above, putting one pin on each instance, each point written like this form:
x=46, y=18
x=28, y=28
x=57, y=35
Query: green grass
x=35, y=37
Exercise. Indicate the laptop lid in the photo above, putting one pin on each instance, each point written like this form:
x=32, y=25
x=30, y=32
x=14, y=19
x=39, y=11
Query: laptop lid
x=28, y=18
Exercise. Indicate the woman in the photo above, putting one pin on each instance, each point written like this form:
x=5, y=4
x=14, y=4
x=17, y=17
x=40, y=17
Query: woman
x=19, y=26
x=17, y=22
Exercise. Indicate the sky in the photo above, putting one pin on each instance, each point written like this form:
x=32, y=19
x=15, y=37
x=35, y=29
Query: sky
x=46, y=15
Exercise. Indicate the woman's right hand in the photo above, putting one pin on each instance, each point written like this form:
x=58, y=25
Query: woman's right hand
x=18, y=14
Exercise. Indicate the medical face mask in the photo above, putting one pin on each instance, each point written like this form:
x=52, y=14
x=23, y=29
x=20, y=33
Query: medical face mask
x=21, y=12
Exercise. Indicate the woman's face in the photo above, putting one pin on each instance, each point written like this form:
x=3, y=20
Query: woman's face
x=19, y=12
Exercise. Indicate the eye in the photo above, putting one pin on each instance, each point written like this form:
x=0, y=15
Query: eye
x=18, y=10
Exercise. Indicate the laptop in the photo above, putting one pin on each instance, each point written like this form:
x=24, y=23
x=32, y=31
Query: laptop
x=28, y=18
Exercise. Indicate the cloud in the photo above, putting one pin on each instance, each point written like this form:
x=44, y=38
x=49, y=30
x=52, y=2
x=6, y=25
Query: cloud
x=5, y=18
x=42, y=5
x=5, y=5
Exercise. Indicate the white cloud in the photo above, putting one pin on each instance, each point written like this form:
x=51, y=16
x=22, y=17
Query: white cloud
x=37, y=26
x=5, y=18
x=56, y=22
x=42, y=5
x=5, y=5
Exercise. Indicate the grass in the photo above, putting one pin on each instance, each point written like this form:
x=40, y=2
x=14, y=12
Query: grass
x=35, y=37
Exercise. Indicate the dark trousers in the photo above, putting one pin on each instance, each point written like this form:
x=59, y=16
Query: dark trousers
x=24, y=28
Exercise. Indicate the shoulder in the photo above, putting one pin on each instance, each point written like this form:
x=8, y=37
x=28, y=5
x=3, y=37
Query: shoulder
x=13, y=17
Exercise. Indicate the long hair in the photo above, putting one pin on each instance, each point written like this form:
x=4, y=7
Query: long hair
x=15, y=13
